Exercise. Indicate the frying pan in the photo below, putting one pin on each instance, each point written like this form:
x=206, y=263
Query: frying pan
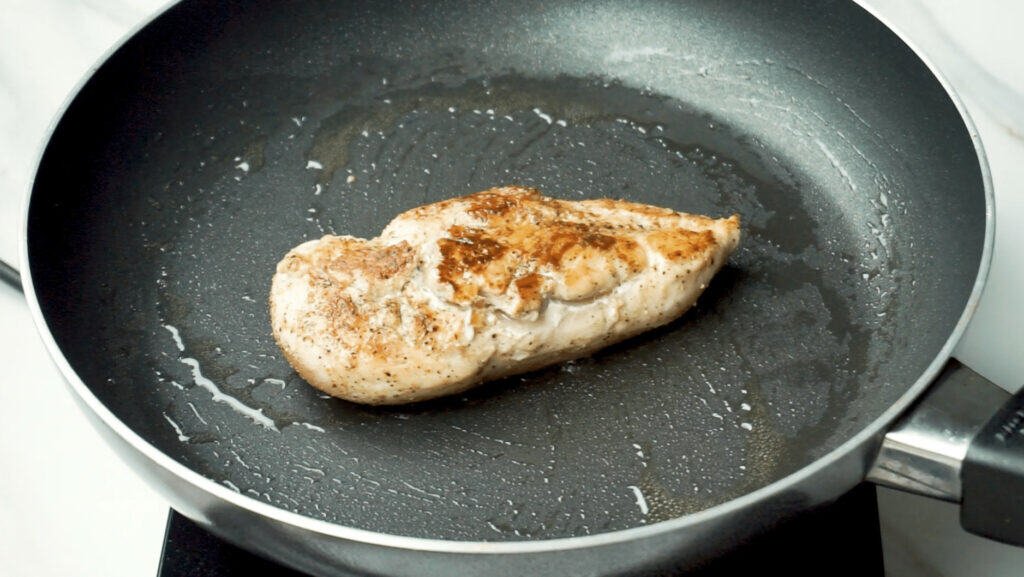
x=221, y=134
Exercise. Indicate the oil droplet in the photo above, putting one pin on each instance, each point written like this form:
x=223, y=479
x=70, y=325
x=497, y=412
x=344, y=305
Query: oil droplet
x=641, y=501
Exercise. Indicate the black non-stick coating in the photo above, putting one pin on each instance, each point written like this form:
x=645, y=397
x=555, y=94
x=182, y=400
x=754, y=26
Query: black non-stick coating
x=224, y=134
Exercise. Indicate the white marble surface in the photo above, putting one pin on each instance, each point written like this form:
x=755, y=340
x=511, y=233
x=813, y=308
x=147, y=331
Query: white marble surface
x=69, y=507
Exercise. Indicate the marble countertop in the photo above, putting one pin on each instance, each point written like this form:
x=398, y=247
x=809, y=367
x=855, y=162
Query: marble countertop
x=68, y=506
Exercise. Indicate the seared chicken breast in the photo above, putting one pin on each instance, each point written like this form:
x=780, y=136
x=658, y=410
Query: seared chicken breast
x=500, y=282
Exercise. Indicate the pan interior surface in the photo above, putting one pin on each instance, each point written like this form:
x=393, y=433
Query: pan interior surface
x=191, y=163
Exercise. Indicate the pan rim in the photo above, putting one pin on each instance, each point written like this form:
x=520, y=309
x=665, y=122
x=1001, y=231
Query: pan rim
x=327, y=529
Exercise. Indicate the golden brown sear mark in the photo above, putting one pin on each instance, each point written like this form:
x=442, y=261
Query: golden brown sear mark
x=522, y=235
x=374, y=261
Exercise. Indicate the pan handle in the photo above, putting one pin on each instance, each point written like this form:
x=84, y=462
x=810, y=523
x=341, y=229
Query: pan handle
x=992, y=501
x=963, y=442
x=9, y=275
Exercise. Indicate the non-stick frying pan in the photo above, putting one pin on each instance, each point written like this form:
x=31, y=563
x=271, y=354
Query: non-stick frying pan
x=222, y=134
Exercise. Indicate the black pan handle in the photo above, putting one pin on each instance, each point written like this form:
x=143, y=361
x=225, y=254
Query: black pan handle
x=992, y=501
x=963, y=441
x=9, y=275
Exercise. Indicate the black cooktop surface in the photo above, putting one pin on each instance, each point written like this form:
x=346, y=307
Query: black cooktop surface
x=844, y=534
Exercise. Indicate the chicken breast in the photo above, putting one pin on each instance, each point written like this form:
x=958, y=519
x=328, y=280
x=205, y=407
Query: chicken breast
x=500, y=282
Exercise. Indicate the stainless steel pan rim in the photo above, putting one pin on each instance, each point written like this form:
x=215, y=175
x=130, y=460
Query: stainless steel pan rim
x=873, y=431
